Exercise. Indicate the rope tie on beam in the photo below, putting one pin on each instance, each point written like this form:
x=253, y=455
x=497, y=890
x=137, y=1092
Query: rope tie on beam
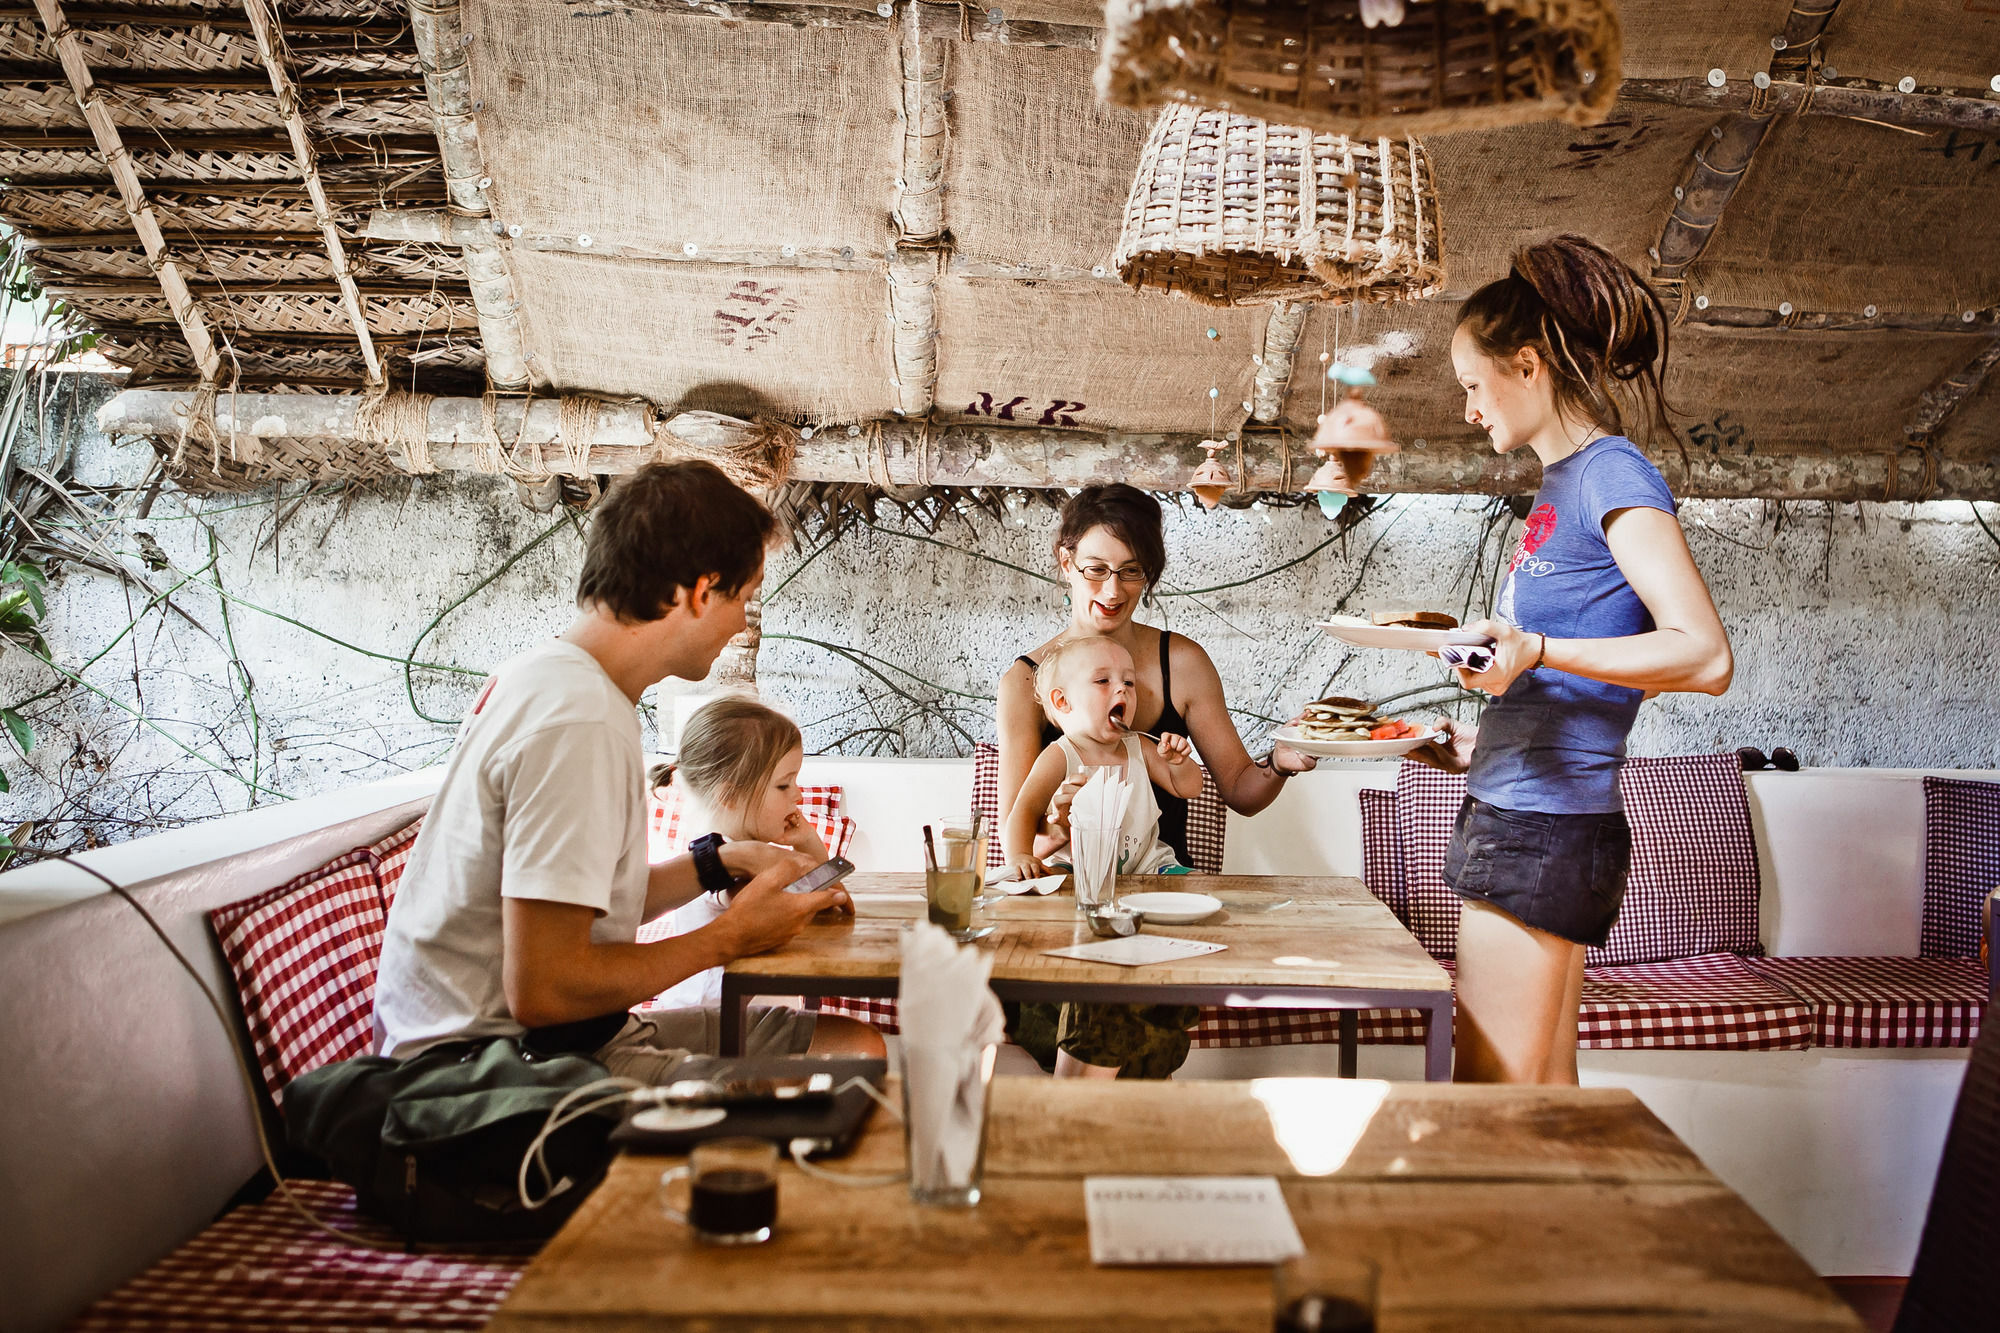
x=501, y=458
x=759, y=460
x=398, y=421
x=577, y=417
x=878, y=459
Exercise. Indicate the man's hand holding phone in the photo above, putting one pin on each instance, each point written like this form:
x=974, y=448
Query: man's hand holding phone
x=762, y=916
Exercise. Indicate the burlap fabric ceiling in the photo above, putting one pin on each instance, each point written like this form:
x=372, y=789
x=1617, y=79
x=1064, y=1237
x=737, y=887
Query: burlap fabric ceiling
x=1679, y=39
x=651, y=132
x=1954, y=45
x=1837, y=214
x=800, y=342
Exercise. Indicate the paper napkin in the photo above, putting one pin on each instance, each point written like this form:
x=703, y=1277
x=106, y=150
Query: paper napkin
x=1470, y=656
x=1189, y=1220
x=1004, y=881
x=1138, y=950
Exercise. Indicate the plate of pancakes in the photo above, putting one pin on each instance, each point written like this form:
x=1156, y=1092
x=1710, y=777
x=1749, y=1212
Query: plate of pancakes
x=1342, y=728
x=1420, y=631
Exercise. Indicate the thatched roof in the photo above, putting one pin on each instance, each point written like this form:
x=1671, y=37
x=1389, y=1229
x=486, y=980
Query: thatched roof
x=727, y=207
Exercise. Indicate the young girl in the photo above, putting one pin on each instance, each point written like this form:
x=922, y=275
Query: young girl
x=1602, y=608
x=738, y=769
x=1089, y=688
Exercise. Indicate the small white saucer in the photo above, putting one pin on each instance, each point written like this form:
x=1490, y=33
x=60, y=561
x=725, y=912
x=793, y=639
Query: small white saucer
x=1171, y=909
x=677, y=1119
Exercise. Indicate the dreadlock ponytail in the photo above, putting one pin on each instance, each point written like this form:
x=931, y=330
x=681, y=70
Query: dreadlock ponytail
x=1596, y=324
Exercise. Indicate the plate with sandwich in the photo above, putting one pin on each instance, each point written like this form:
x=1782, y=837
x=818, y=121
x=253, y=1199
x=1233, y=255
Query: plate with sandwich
x=1419, y=631
x=1342, y=728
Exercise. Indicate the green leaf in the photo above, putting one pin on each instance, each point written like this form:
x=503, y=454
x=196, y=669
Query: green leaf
x=4, y=789
x=13, y=612
x=18, y=728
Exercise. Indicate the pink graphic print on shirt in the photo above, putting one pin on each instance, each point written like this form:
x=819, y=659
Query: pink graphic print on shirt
x=1540, y=526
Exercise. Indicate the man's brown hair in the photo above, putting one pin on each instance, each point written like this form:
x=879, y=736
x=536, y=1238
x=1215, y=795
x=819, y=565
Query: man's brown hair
x=664, y=527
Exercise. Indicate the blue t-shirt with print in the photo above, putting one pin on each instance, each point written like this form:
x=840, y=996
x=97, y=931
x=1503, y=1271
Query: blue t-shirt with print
x=1554, y=741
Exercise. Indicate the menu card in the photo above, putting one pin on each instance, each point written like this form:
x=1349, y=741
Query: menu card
x=1004, y=881
x=1189, y=1220
x=1138, y=950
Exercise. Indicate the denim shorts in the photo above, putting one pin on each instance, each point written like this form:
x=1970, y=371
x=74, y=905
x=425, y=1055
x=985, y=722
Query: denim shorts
x=1563, y=874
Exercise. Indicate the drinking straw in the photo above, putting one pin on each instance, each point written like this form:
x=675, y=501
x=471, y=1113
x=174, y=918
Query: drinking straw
x=930, y=851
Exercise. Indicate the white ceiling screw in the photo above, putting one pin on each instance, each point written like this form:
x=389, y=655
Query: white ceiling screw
x=1969, y=316
x=690, y=249
x=788, y=250
x=1701, y=303
x=1784, y=307
x=805, y=432
x=1906, y=84
x=515, y=231
x=1868, y=311
x=1716, y=78
x=485, y=182
x=584, y=240
x=1995, y=83
x=885, y=9
x=1760, y=79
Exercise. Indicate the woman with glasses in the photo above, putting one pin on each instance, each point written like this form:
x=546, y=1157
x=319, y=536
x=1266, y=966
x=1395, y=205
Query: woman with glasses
x=1110, y=551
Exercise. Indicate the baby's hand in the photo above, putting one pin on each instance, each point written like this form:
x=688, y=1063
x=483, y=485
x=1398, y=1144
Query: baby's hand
x=1175, y=749
x=1027, y=866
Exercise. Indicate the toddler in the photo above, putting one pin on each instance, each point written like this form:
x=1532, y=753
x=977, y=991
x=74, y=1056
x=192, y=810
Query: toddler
x=1088, y=688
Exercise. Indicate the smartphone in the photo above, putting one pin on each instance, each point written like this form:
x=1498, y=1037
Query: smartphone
x=822, y=875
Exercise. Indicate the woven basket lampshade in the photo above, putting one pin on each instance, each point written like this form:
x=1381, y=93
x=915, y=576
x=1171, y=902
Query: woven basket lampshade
x=1229, y=210
x=1447, y=65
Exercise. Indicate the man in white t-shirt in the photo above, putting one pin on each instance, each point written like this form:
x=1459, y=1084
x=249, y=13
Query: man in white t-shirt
x=520, y=905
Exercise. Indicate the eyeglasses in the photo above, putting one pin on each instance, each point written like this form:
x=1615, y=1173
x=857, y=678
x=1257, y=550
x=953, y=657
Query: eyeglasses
x=1102, y=573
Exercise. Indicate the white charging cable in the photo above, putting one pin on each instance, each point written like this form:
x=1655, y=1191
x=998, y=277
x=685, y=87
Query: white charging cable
x=562, y=1113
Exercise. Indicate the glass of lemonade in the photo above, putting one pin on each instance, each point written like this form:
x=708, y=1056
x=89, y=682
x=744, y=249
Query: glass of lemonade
x=953, y=888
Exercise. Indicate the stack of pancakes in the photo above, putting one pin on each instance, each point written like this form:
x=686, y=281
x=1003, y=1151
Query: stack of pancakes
x=1338, y=719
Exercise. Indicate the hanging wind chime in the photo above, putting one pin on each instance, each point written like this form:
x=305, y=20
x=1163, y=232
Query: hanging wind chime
x=1349, y=438
x=1211, y=480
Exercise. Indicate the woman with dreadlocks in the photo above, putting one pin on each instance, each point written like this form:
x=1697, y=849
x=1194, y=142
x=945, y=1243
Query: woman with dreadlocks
x=1602, y=608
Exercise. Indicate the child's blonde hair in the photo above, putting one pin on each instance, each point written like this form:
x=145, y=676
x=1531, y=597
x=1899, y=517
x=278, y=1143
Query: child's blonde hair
x=730, y=747
x=1048, y=674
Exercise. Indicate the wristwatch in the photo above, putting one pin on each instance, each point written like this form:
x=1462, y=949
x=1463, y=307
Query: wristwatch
x=708, y=868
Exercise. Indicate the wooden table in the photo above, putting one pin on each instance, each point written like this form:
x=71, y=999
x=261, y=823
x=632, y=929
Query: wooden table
x=1483, y=1208
x=1293, y=942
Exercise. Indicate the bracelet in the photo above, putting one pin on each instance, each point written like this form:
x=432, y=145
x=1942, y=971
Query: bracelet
x=1541, y=652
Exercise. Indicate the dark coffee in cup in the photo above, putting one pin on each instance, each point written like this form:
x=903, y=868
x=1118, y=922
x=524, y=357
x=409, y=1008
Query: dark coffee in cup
x=734, y=1205
x=1324, y=1314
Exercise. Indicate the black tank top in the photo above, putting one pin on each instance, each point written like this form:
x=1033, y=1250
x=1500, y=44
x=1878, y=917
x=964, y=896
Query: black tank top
x=1173, y=809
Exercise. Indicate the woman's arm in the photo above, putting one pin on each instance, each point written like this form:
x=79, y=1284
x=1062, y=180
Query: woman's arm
x=1688, y=650
x=1019, y=837
x=1246, y=787
x=1170, y=764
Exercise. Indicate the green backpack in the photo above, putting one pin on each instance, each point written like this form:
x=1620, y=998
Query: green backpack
x=432, y=1145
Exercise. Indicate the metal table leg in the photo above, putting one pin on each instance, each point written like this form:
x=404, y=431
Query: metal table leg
x=1437, y=1038
x=735, y=1019
x=1350, y=1030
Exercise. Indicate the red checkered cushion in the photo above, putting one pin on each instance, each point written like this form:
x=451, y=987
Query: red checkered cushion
x=1381, y=852
x=1207, y=819
x=1694, y=884
x=304, y=958
x=879, y=1013
x=262, y=1269
x=666, y=837
x=1886, y=1001
x=1305, y=1027
x=1961, y=863
x=1715, y=1003
x=391, y=855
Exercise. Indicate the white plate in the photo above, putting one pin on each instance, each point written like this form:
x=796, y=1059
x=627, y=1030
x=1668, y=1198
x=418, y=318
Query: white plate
x=1171, y=909
x=1364, y=635
x=1362, y=749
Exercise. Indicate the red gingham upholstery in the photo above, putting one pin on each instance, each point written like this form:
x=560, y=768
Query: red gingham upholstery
x=820, y=805
x=1207, y=820
x=1961, y=863
x=1715, y=1003
x=1304, y=1027
x=304, y=957
x=881, y=1014
x=1694, y=884
x=391, y=855
x=1885, y=1001
x=261, y=1269
x=1381, y=853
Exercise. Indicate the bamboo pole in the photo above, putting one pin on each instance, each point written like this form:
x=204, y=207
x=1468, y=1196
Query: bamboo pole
x=1937, y=403
x=1856, y=100
x=1723, y=159
x=1274, y=363
x=918, y=219
x=441, y=41
x=270, y=49
x=910, y=454
x=187, y=312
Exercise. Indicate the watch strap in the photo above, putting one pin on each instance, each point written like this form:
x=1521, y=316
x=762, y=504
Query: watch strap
x=708, y=868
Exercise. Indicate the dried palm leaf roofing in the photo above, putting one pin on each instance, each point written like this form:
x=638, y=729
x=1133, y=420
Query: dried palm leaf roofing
x=825, y=215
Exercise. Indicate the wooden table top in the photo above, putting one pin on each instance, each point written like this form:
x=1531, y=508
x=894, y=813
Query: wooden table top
x=1280, y=931
x=1489, y=1208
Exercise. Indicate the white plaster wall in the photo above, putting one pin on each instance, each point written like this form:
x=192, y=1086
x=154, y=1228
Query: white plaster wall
x=1858, y=629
